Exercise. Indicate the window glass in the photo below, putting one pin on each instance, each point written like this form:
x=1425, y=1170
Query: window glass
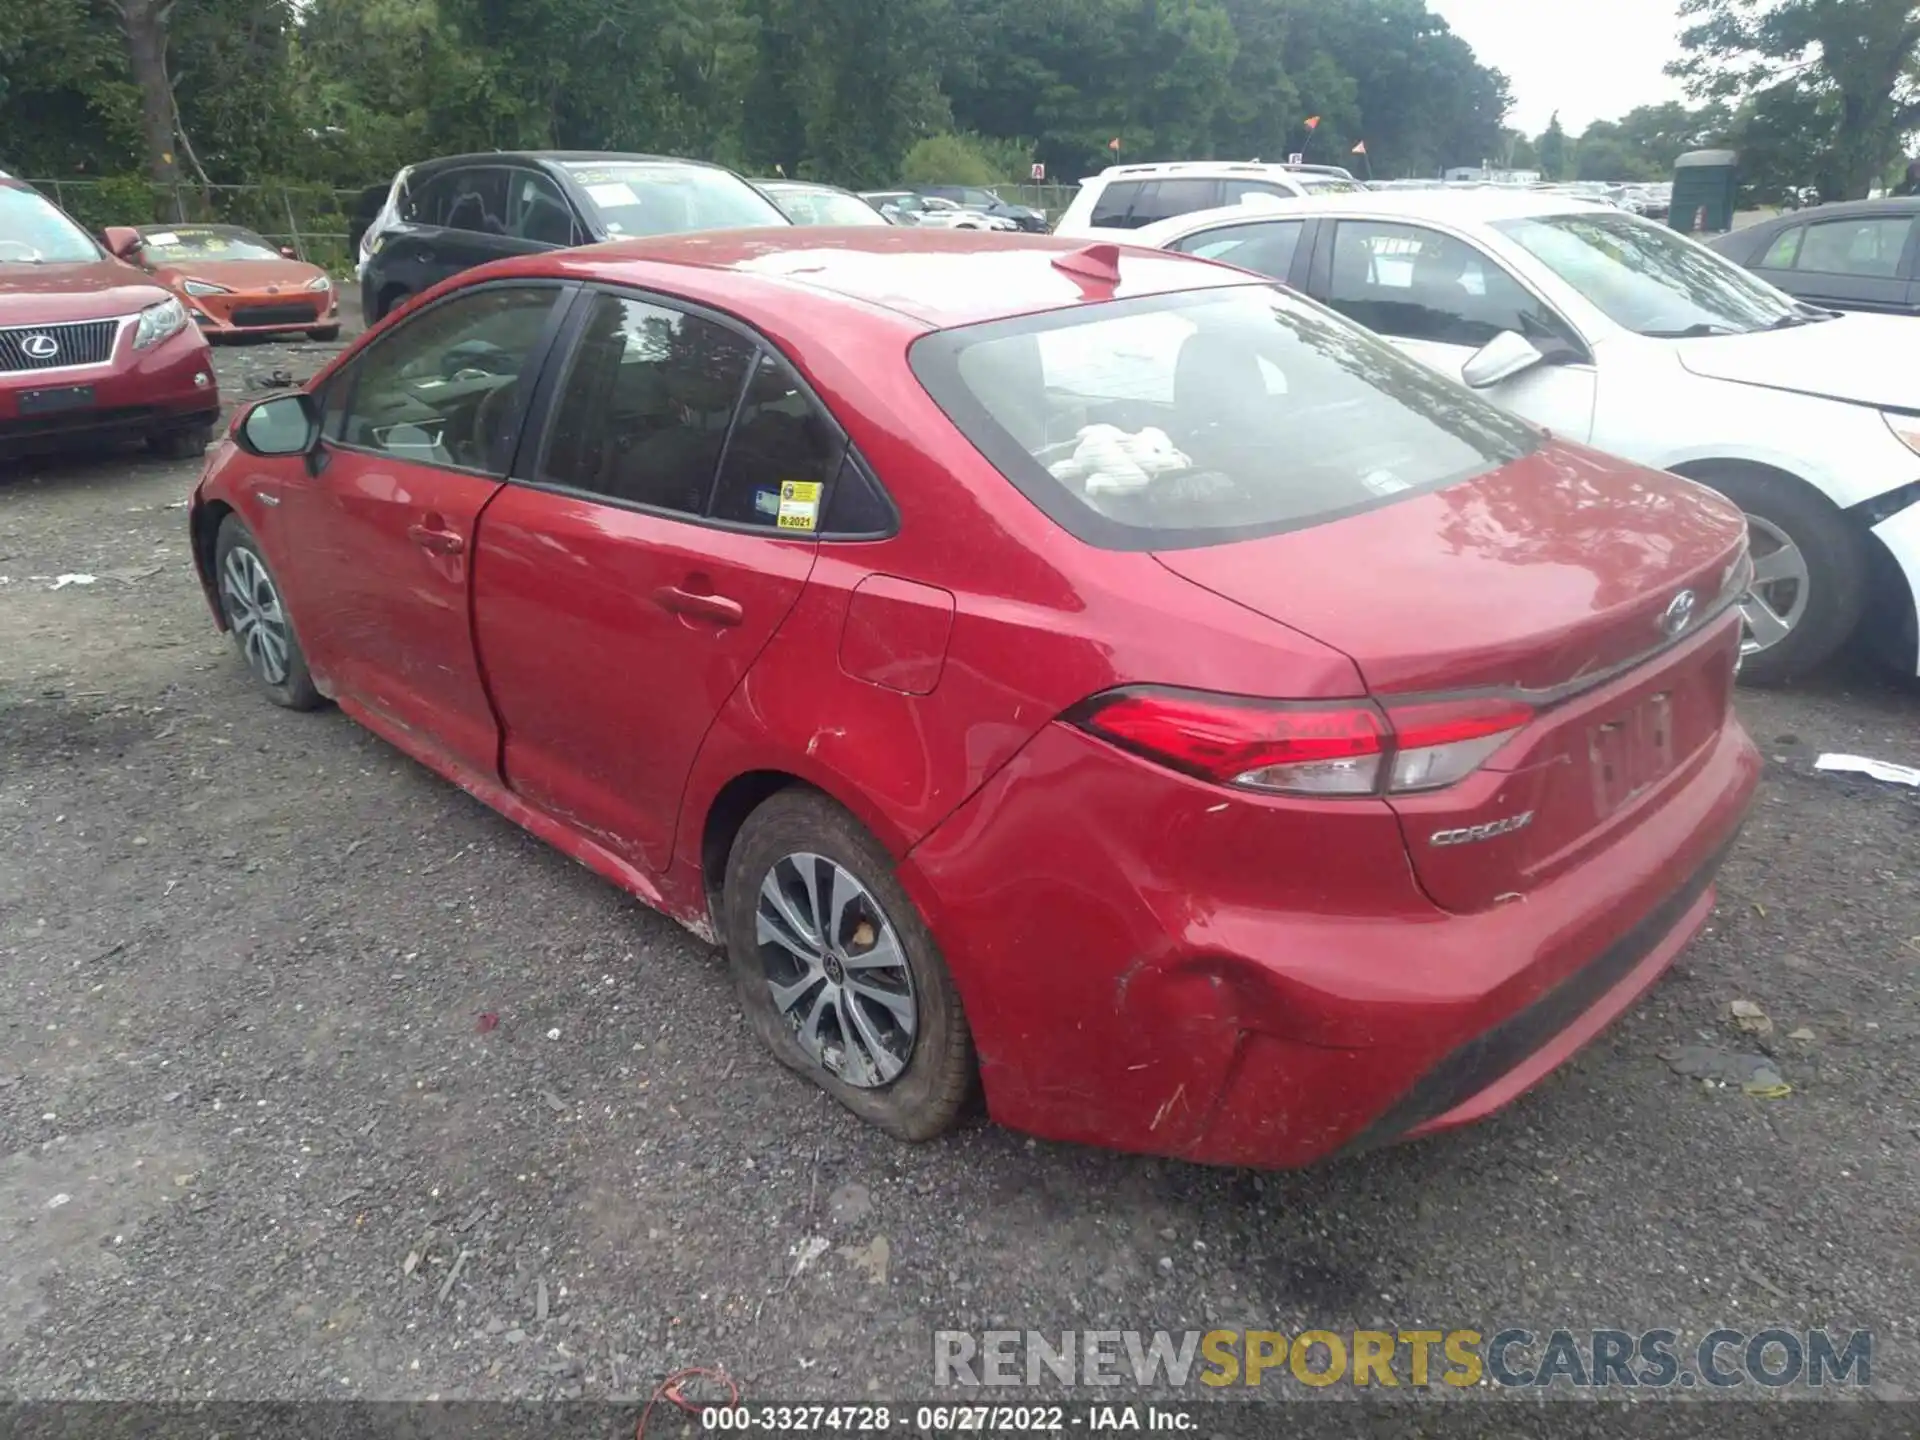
x=1114, y=202
x=781, y=455
x=477, y=200
x=857, y=504
x=1417, y=284
x=1267, y=246
x=667, y=197
x=444, y=388
x=645, y=406
x=817, y=205
x=1166, y=198
x=1331, y=185
x=1647, y=279
x=979, y=199
x=1869, y=246
x=32, y=230
x=176, y=244
x=1200, y=417
x=537, y=211
x=424, y=201
x=1785, y=246
x=1240, y=192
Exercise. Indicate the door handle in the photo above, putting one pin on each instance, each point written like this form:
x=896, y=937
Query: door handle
x=436, y=542
x=717, y=608
x=424, y=255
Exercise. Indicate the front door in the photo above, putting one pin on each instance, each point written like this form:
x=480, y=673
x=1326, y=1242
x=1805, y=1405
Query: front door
x=419, y=431
x=1438, y=299
x=623, y=591
x=1859, y=263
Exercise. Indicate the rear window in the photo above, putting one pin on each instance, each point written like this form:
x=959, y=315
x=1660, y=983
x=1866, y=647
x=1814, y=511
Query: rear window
x=667, y=199
x=1208, y=416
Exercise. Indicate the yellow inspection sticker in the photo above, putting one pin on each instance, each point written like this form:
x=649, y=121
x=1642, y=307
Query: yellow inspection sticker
x=799, y=505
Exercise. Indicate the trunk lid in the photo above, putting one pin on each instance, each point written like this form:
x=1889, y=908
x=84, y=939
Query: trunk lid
x=1558, y=575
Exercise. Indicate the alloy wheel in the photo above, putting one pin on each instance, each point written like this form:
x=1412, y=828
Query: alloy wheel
x=255, y=613
x=1777, y=599
x=837, y=972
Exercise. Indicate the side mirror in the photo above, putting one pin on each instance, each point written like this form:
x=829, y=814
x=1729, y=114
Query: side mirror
x=122, y=240
x=280, y=425
x=1501, y=358
x=289, y=253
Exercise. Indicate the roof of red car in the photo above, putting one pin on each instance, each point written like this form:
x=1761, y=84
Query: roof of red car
x=940, y=278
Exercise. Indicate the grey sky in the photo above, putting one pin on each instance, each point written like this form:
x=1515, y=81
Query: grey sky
x=1588, y=59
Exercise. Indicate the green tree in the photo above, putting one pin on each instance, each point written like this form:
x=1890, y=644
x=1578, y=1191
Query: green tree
x=1552, y=150
x=1858, y=60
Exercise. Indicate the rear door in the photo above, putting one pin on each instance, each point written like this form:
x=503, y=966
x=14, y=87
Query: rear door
x=1439, y=298
x=642, y=560
x=418, y=435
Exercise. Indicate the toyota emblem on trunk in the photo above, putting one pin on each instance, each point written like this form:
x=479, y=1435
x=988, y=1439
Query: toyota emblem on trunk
x=1678, y=614
x=40, y=347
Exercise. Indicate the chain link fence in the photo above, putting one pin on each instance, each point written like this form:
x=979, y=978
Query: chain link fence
x=312, y=219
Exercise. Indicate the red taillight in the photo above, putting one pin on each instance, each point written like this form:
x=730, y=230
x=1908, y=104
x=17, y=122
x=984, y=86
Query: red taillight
x=1347, y=747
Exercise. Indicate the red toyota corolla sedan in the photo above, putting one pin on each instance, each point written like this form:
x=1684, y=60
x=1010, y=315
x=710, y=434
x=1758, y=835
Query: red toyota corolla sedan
x=90, y=348
x=1089, y=674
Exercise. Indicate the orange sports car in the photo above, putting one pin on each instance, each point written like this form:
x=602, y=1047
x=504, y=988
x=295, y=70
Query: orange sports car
x=232, y=281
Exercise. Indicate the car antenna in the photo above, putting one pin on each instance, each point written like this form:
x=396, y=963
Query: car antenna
x=1099, y=261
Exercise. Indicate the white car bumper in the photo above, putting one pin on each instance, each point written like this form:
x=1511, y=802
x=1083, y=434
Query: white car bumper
x=1900, y=533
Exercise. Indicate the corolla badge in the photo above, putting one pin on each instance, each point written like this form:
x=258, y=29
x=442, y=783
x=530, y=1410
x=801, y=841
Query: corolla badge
x=1678, y=614
x=1471, y=833
x=39, y=347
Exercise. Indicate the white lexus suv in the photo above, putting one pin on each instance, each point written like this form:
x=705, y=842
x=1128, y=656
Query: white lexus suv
x=1617, y=332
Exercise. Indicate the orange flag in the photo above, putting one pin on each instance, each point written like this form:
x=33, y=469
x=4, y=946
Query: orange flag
x=1313, y=122
x=1361, y=148
x=1114, y=144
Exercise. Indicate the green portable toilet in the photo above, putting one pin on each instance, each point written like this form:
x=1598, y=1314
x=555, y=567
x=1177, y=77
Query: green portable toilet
x=1704, y=182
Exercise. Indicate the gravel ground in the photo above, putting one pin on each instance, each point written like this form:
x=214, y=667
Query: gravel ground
x=317, y=1079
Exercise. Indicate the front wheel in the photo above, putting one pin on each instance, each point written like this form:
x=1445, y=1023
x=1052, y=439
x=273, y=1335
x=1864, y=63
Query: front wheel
x=837, y=972
x=1809, y=573
x=257, y=618
x=324, y=333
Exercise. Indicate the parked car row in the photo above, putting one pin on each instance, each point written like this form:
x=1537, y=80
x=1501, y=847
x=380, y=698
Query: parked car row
x=983, y=547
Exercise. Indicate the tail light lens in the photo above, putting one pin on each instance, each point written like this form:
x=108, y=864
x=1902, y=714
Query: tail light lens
x=1349, y=747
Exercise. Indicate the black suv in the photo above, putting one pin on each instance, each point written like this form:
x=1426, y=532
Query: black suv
x=973, y=197
x=468, y=209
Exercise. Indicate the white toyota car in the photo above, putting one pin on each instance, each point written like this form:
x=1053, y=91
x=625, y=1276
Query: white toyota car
x=1616, y=331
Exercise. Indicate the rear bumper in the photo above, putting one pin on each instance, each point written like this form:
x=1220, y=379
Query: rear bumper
x=137, y=394
x=1118, y=1001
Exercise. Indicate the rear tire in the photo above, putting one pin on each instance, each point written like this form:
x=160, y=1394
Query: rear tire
x=258, y=619
x=187, y=444
x=871, y=1014
x=325, y=332
x=388, y=301
x=1818, y=560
